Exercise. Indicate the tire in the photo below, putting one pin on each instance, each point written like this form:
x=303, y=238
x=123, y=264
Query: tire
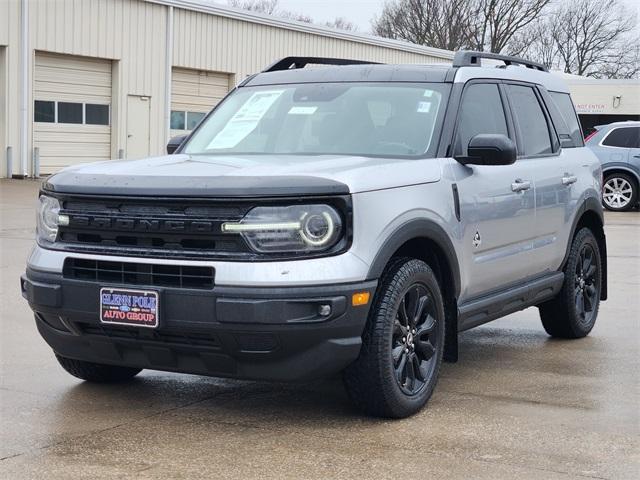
x=573, y=313
x=619, y=192
x=96, y=372
x=378, y=382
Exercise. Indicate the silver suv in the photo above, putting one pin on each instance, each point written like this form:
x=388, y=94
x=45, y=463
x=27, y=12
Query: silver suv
x=617, y=145
x=352, y=218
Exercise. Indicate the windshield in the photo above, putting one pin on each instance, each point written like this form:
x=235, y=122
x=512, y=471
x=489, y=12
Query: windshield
x=369, y=119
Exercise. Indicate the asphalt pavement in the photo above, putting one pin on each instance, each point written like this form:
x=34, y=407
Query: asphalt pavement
x=517, y=404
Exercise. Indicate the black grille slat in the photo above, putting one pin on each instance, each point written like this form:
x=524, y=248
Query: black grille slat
x=179, y=227
x=139, y=274
x=170, y=338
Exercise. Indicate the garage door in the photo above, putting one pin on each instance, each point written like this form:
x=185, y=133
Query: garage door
x=193, y=94
x=72, y=110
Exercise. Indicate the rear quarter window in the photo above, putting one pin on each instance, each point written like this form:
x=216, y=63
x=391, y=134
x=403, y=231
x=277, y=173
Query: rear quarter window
x=565, y=107
x=623, y=137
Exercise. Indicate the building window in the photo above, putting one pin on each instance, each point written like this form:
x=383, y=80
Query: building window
x=177, y=120
x=69, y=112
x=44, y=111
x=193, y=119
x=185, y=120
x=96, y=114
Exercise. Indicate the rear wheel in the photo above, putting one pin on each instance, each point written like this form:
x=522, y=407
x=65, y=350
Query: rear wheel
x=402, y=344
x=97, y=372
x=620, y=192
x=572, y=314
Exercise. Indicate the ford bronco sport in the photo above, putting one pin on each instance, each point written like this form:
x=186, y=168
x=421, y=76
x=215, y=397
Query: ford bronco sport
x=348, y=218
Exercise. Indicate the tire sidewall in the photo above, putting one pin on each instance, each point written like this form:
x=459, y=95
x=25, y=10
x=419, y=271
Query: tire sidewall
x=419, y=273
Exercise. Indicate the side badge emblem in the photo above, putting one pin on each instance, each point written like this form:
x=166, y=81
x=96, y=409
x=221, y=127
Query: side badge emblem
x=477, y=240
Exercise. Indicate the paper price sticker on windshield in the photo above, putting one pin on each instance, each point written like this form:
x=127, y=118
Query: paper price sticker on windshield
x=245, y=120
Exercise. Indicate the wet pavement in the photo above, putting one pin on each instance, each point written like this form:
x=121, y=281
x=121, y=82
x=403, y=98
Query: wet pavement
x=517, y=404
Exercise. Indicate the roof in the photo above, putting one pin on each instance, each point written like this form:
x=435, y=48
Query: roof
x=354, y=73
x=270, y=20
x=407, y=73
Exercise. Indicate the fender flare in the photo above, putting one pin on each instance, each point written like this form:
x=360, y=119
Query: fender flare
x=416, y=228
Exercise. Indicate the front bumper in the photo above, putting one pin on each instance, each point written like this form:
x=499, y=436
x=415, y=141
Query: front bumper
x=241, y=332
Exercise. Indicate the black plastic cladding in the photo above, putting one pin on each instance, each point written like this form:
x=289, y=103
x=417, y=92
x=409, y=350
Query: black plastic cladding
x=342, y=203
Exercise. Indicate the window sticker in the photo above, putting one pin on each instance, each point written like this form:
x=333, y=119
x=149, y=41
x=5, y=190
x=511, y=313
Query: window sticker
x=428, y=93
x=245, y=119
x=302, y=110
x=423, y=107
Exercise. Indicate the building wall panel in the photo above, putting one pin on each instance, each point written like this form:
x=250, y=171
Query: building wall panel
x=131, y=35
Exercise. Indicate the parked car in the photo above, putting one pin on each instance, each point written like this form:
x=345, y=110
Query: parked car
x=617, y=145
x=353, y=218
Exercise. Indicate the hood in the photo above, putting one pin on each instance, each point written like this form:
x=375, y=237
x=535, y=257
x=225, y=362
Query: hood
x=243, y=176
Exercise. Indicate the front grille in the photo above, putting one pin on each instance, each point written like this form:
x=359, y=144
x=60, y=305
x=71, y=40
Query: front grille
x=175, y=227
x=139, y=274
x=169, y=338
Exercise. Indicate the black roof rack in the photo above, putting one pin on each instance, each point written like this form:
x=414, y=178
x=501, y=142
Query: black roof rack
x=467, y=58
x=300, y=62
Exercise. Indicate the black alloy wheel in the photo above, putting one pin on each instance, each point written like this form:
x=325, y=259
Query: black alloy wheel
x=402, y=343
x=586, y=284
x=413, y=346
x=574, y=310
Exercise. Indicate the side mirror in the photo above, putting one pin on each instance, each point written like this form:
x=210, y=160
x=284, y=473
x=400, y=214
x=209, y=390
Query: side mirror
x=175, y=142
x=490, y=149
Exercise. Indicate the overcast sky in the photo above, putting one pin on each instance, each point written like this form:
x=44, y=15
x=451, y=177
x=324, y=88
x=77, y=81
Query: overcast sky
x=359, y=12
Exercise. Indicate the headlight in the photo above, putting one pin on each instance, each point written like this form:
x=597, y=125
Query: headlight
x=49, y=218
x=299, y=228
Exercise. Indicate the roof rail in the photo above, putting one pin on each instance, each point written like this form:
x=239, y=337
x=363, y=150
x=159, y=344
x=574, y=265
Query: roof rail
x=467, y=58
x=300, y=62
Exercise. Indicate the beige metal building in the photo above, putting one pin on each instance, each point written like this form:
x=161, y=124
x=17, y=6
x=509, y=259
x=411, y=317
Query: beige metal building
x=90, y=80
x=599, y=102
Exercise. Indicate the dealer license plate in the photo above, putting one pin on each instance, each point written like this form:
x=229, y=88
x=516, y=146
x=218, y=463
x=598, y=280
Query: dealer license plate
x=129, y=307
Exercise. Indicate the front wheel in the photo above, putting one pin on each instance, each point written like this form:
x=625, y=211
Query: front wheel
x=573, y=313
x=402, y=343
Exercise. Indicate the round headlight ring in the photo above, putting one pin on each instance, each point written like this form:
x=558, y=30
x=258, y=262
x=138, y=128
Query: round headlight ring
x=311, y=238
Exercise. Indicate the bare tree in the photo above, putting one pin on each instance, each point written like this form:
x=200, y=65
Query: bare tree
x=269, y=7
x=585, y=37
x=260, y=6
x=436, y=23
x=498, y=21
x=342, y=23
x=591, y=35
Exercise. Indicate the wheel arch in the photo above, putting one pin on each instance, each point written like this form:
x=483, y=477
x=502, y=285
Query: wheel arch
x=591, y=216
x=621, y=168
x=426, y=240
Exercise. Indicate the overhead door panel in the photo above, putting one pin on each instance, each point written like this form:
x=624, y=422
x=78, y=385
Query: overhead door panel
x=193, y=94
x=72, y=110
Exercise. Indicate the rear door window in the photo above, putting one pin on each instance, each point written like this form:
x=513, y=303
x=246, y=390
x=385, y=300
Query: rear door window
x=531, y=121
x=623, y=137
x=481, y=112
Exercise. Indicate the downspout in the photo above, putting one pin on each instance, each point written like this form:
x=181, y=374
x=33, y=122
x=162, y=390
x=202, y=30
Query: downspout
x=24, y=88
x=168, y=61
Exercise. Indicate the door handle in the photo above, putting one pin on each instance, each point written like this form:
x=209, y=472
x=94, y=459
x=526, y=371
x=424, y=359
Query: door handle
x=636, y=156
x=569, y=179
x=520, y=185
